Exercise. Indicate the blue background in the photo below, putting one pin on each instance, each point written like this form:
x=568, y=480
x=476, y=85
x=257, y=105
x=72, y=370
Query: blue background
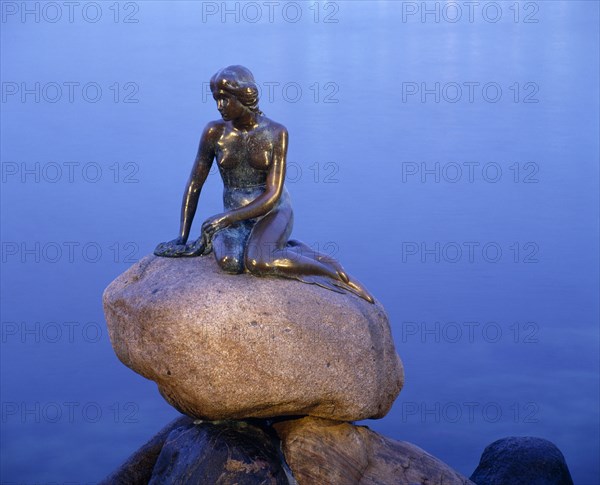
x=374, y=181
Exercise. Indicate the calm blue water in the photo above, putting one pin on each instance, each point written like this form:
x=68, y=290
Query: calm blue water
x=448, y=157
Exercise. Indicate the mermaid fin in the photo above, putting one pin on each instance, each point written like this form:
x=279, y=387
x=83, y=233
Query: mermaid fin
x=322, y=281
x=356, y=288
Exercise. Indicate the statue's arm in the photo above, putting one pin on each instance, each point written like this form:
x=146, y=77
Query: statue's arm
x=200, y=170
x=274, y=185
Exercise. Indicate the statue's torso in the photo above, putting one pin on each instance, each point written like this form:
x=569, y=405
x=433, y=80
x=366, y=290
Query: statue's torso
x=244, y=160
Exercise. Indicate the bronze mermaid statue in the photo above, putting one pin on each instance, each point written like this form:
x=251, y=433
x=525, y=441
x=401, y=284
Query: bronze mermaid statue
x=252, y=235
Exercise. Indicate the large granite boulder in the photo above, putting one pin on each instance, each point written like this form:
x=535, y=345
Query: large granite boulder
x=325, y=451
x=224, y=346
x=522, y=460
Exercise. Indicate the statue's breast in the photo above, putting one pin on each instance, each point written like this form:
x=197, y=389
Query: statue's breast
x=254, y=149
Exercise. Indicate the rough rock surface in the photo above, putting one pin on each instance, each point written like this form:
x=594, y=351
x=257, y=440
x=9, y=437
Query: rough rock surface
x=224, y=453
x=224, y=346
x=522, y=461
x=326, y=451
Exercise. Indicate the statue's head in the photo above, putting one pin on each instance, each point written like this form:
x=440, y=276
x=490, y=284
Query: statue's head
x=238, y=82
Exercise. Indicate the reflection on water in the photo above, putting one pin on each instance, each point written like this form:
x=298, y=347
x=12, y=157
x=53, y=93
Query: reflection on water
x=469, y=147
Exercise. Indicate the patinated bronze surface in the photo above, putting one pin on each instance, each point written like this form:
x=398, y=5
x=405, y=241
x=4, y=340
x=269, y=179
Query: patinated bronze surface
x=252, y=234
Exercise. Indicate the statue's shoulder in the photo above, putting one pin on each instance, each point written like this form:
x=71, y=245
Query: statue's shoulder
x=277, y=129
x=214, y=128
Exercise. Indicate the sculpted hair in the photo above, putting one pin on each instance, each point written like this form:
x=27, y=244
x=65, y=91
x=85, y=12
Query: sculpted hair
x=239, y=82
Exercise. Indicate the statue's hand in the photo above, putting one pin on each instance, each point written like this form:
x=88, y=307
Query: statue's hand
x=214, y=224
x=200, y=247
x=179, y=249
x=171, y=249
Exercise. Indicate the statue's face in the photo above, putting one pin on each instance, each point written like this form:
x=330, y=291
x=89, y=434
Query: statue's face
x=228, y=105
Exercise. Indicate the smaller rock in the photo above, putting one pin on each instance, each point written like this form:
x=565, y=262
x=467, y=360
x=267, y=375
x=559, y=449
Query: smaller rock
x=226, y=453
x=522, y=461
x=322, y=451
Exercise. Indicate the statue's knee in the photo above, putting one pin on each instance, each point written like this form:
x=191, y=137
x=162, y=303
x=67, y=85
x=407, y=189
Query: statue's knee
x=256, y=265
x=230, y=264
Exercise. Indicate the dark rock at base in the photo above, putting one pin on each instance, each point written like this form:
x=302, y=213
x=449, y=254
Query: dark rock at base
x=224, y=453
x=137, y=469
x=317, y=451
x=522, y=461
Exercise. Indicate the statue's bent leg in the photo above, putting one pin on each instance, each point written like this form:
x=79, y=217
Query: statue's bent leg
x=324, y=258
x=228, y=246
x=267, y=252
x=270, y=253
